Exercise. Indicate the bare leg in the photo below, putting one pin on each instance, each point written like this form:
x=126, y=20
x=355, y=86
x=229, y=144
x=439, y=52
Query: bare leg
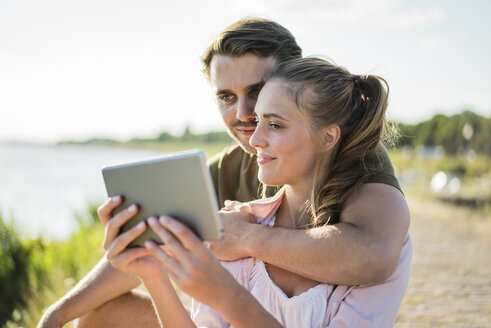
x=133, y=309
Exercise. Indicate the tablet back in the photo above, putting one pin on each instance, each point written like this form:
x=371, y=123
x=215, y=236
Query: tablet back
x=177, y=184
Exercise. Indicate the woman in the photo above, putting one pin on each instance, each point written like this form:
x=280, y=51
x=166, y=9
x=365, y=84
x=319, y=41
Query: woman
x=317, y=127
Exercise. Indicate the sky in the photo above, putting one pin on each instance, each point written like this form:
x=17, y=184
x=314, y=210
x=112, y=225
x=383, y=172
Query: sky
x=72, y=70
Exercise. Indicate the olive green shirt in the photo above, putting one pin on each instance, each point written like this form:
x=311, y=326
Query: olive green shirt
x=234, y=174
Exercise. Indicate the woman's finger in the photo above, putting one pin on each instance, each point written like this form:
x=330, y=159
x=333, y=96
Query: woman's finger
x=114, y=224
x=105, y=210
x=123, y=260
x=170, y=242
x=122, y=241
x=173, y=265
x=187, y=238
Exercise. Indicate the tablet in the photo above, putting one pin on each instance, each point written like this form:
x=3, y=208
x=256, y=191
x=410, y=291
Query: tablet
x=177, y=184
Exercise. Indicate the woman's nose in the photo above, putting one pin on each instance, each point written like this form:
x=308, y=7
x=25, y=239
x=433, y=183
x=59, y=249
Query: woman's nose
x=257, y=139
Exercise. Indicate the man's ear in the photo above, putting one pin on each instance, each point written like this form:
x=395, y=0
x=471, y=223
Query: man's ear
x=330, y=135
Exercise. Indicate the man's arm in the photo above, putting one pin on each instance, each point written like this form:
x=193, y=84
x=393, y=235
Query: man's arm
x=100, y=285
x=363, y=248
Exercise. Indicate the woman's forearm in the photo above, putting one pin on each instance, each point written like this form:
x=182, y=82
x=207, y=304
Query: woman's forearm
x=170, y=310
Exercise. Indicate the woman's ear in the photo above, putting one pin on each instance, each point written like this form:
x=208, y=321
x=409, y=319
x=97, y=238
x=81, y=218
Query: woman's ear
x=331, y=135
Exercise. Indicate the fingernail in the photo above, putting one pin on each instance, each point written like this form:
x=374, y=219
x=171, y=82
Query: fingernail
x=141, y=225
x=152, y=220
x=164, y=219
x=133, y=207
x=116, y=198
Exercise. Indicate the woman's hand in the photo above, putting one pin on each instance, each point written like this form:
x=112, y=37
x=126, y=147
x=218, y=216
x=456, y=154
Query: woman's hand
x=192, y=266
x=137, y=260
x=198, y=273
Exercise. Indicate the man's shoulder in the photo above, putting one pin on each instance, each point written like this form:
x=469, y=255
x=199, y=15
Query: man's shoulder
x=234, y=174
x=228, y=154
x=385, y=172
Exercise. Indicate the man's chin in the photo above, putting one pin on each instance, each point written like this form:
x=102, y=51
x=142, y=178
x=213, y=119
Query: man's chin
x=244, y=144
x=248, y=149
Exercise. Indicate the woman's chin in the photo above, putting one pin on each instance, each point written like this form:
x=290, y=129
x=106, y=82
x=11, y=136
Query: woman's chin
x=270, y=181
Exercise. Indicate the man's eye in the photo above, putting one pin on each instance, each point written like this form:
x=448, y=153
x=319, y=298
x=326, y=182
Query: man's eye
x=226, y=98
x=254, y=93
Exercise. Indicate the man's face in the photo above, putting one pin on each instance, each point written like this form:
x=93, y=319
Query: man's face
x=236, y=82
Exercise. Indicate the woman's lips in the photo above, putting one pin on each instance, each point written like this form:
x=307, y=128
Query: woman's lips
x=264, y=159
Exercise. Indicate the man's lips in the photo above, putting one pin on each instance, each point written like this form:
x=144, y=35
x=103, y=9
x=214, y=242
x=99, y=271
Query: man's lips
x=246, y=131
x=264, y=159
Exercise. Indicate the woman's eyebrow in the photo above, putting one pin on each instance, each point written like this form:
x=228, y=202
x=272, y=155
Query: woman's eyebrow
x=269, y=115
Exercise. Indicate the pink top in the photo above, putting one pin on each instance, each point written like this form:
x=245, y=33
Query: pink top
x=324, y=305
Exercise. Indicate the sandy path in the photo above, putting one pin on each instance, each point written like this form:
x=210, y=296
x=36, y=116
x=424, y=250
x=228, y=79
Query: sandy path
x=450, y=282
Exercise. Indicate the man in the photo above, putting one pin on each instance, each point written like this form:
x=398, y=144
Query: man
x=364, y=248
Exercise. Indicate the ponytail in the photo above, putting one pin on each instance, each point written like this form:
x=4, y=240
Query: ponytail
x=357, y=156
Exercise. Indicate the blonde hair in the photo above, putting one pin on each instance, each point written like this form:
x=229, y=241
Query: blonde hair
x=329, y=94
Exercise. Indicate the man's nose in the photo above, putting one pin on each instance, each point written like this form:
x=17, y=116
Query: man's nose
x=245, y=110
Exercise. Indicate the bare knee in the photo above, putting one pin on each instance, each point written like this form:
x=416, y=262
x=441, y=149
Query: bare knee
x=133, y=309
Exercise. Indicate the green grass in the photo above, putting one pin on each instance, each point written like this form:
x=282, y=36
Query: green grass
x=43, y=271
x=477, y=167
x=415, y=173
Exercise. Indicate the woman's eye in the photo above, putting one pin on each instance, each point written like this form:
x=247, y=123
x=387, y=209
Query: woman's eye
x=274, y=126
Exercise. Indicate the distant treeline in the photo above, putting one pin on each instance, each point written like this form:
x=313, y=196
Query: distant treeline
x=456, y=134
x=187, y=137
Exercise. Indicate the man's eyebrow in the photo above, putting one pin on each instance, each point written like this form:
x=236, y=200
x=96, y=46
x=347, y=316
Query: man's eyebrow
x=223, y=91
x=255, y=86
x=251, y=87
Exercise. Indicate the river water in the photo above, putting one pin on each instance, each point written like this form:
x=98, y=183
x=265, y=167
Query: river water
x=41, y=187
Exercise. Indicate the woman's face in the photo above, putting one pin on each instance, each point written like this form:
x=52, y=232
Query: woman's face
x=286, y=152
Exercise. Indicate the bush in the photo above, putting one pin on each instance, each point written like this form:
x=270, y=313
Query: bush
x=34, y=273
x=14, y=277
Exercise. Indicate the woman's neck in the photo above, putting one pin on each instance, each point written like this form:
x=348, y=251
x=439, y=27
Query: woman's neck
x=293, y=211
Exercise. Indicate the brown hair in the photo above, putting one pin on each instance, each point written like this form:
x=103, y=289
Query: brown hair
x=262, y=37
x=329, y=94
